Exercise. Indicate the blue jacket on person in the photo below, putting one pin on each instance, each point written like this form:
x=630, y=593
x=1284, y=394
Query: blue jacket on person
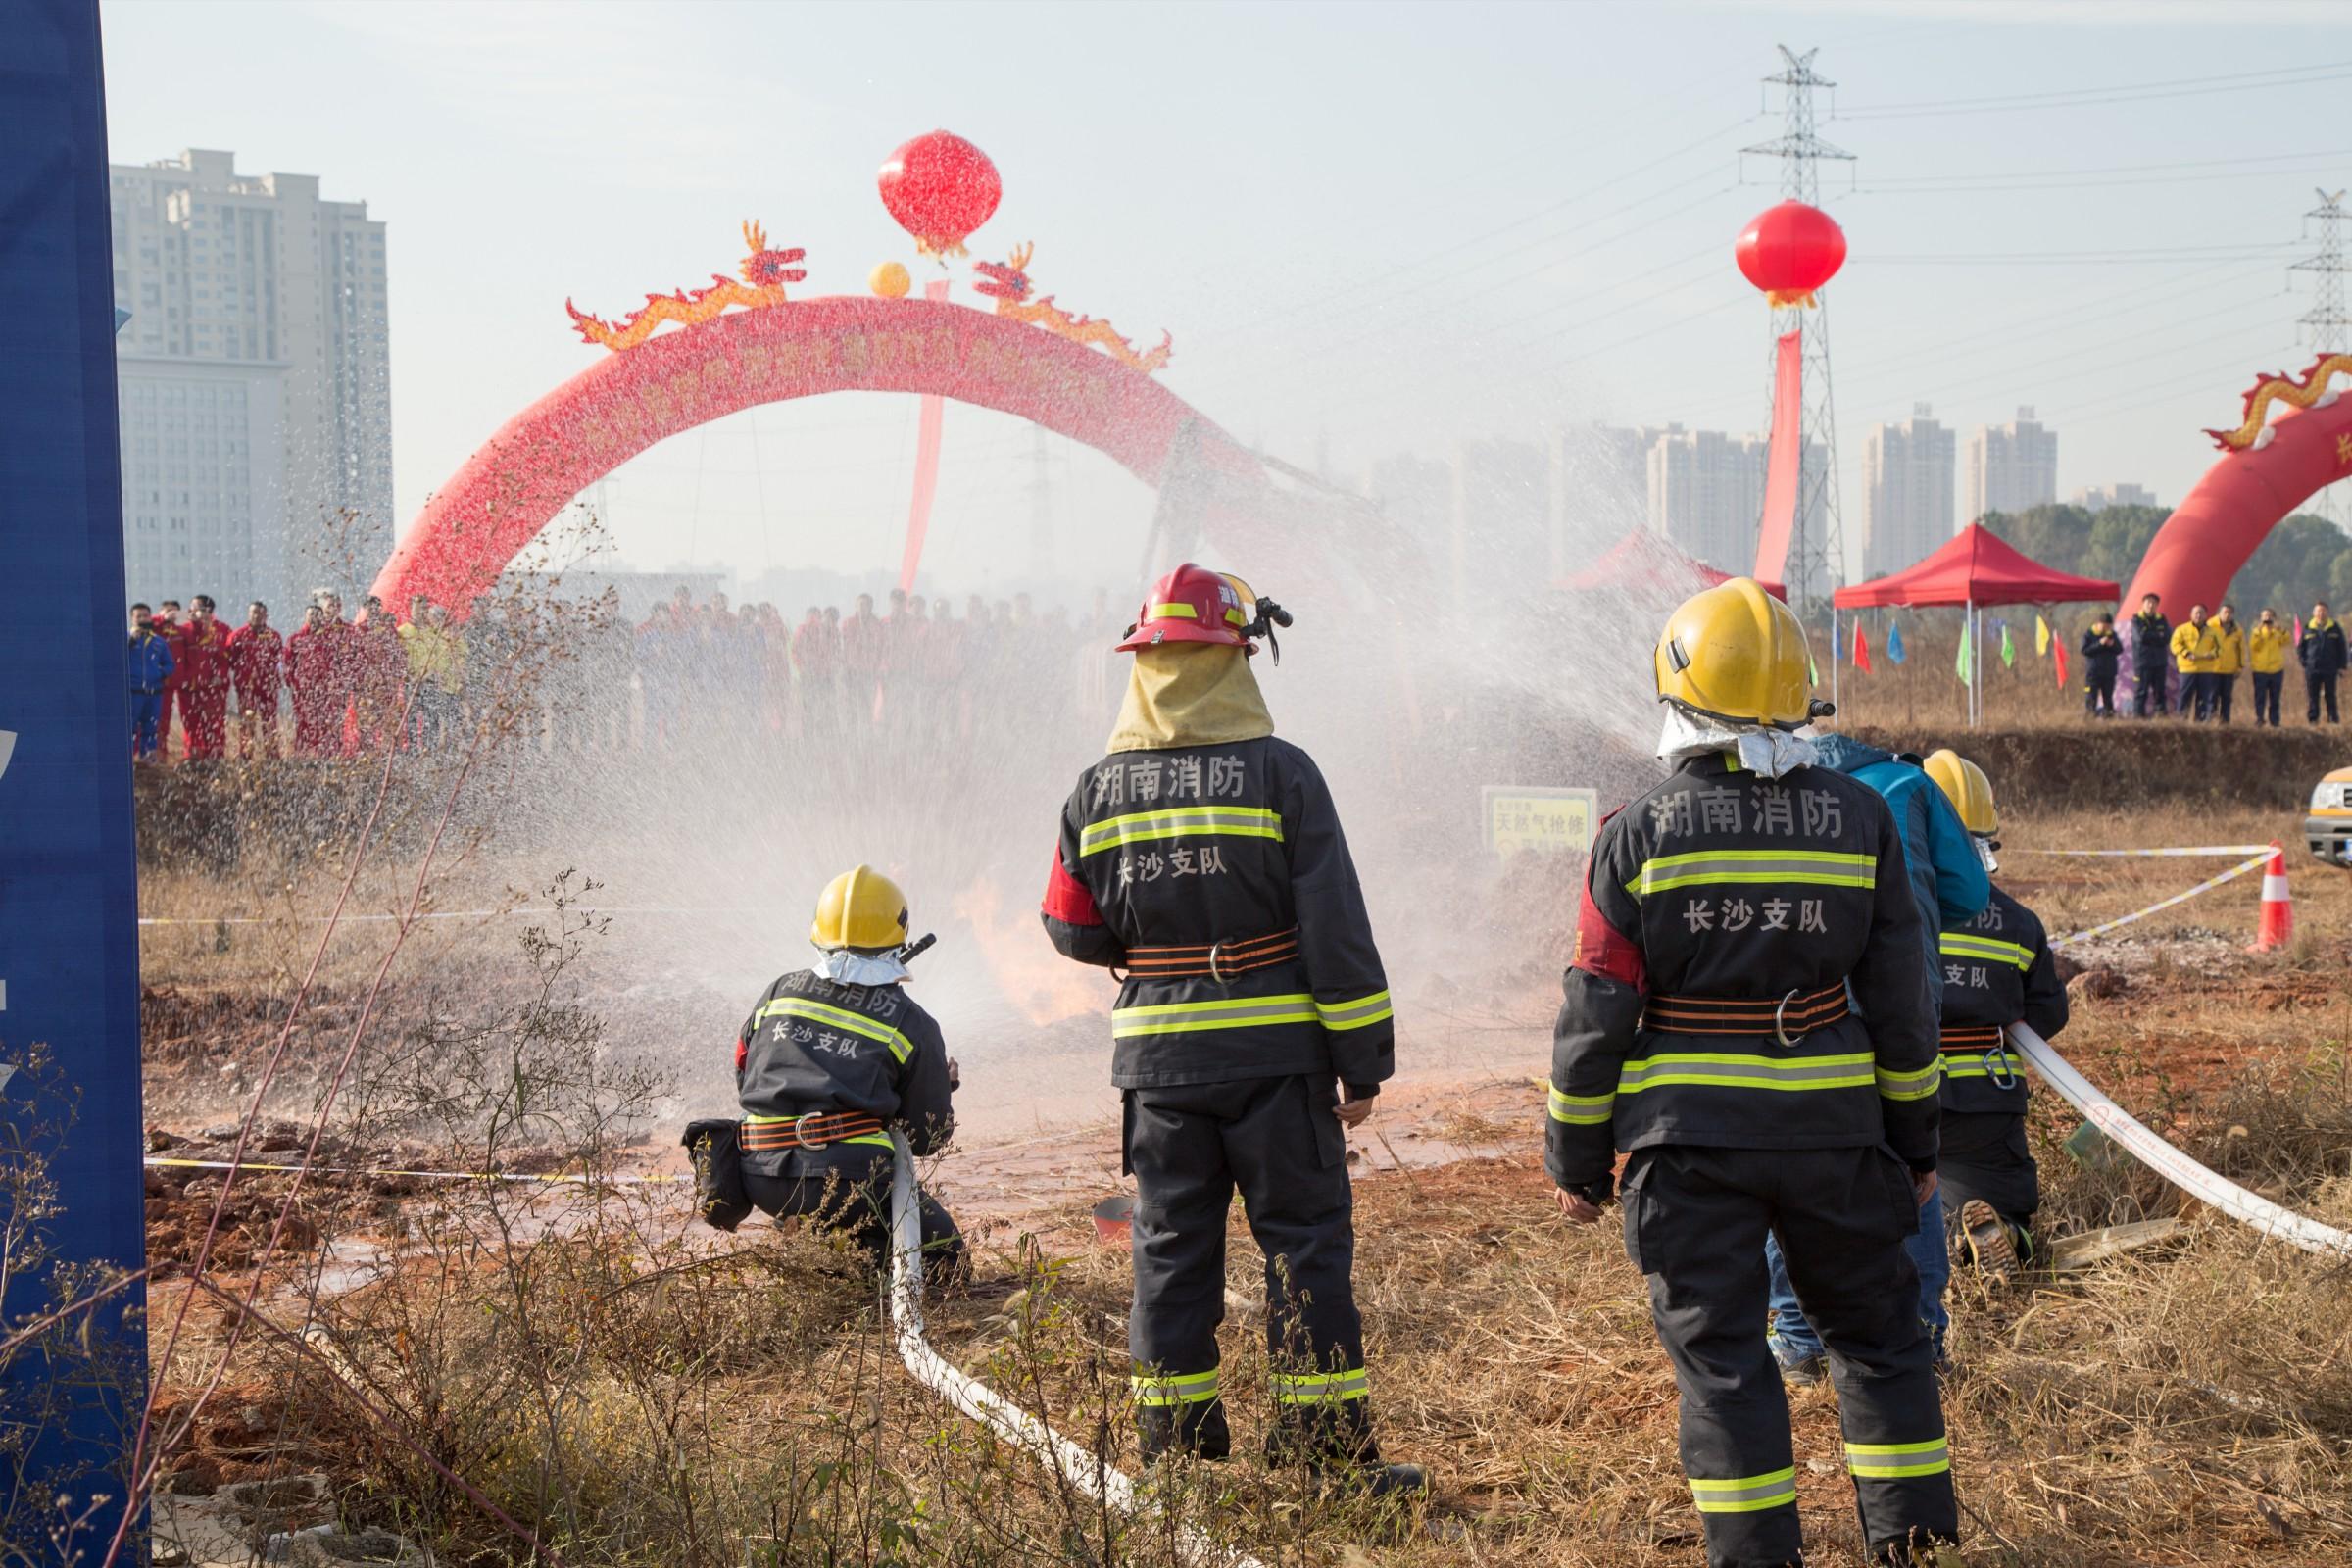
x=1947, y=875
x=151, y=661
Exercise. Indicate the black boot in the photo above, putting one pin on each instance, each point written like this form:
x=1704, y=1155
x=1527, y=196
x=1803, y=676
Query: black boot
x=1196, y=1429
x=1335, y=1442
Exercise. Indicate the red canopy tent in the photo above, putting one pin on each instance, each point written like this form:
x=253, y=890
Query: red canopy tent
x=1973, y=569
x=1643, y=559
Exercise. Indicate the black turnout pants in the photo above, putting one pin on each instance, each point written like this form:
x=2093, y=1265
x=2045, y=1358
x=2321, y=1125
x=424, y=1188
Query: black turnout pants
x=1694, y=1222
x=1985, y=1155
x=2098, y=695
x=2316, y=689
x=845, y=1188
x=1278, y=1142
x=2148, y=693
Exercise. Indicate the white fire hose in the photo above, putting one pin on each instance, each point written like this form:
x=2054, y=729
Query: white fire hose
x=2171, y=1163
x=1067, y=1461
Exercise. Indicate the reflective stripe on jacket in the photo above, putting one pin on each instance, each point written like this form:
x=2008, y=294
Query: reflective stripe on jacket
x=1997, y=970
x=1718, y=884
x=2322, y=650
x=149, y=663
x=813, y=1047
x=1191, y=846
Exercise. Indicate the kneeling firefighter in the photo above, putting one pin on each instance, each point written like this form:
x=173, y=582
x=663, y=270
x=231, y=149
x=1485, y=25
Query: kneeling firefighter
x=1205, y=857
x=1706, y=1030
x=830, y=1060
x=1997, y=970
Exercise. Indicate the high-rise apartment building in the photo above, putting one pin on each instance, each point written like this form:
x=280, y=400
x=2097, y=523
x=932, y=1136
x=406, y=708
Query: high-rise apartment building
x=255, y=384
x=1907, y=473
x=2011, y=466
x=1618, y=455
x=1707, y=495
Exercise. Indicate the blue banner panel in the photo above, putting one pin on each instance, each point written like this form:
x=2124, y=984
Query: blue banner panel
x=68, y=938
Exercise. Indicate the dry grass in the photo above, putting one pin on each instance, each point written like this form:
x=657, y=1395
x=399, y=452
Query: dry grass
x=641, y=1400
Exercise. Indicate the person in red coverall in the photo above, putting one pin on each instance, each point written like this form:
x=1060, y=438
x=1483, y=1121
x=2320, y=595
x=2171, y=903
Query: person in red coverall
x=378, y=663
x=816, y=663
x=313, y=656
x=168, y=624
x=204, y=674
x=255, y=669
x=862, y=647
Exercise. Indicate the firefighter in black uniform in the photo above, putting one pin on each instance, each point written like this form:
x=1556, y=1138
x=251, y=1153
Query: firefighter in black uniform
x=1706, y=1031
x=1997, y=970
x=830, y=1061
x=1204, y=859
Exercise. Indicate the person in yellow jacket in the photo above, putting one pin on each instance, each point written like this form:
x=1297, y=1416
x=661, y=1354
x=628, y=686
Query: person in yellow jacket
x=436, y=653
x=2266, y=655
x=2228, y=658
x=2196, y=654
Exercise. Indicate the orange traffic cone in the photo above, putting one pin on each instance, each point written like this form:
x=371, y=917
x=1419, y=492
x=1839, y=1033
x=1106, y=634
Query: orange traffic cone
x=2277, y=926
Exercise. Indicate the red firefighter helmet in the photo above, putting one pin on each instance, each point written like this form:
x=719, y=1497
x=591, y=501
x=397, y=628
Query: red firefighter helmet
x=1192, y=605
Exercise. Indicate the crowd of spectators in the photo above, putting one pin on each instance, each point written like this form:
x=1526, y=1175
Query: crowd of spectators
x=689, y=673
x=346, y=682
x=2205, y=655
x=915, y=667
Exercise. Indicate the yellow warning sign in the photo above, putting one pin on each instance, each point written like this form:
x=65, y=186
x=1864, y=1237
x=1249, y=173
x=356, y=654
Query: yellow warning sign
x=1538, y=817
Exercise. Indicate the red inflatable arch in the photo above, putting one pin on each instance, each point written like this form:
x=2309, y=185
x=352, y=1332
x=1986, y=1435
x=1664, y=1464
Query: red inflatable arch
x=2212, y=532
x=626, y=402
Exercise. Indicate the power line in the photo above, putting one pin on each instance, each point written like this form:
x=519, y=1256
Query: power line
x=1974, y=343
x=2122, y=92
x=1340, y=304
x=1912, y=180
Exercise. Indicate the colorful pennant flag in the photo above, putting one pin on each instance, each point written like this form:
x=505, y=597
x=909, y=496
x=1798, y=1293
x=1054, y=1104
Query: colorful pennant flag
x=2042, y=638
x=1861, y=649
x=2008, y=649
x=2062, y=666
x=2298, y=631
x=1960, y=663
x=1894, y=644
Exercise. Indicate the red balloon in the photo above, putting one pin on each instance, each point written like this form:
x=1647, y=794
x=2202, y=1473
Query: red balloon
x=939, y=188
x=1790, y=250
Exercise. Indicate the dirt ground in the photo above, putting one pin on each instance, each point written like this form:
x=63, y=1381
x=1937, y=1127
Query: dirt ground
x=2099, y=1419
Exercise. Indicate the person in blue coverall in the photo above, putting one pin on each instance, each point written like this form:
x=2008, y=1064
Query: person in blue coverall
x=150, y=666
x=1949, y=880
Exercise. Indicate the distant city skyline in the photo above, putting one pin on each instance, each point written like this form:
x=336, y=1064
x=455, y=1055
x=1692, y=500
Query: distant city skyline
x=2088, y=209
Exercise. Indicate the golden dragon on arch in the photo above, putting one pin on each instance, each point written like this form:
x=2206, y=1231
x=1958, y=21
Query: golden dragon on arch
x=764, y=272
x=1010, y=286
x=2299, y=391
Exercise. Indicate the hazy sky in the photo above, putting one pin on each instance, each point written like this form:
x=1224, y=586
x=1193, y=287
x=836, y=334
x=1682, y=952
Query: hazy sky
x=1370, y=228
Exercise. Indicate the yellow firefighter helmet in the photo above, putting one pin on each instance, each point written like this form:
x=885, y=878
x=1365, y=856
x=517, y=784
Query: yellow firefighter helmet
x=861, y=909
x=1965, y=785
x=1734, y=653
